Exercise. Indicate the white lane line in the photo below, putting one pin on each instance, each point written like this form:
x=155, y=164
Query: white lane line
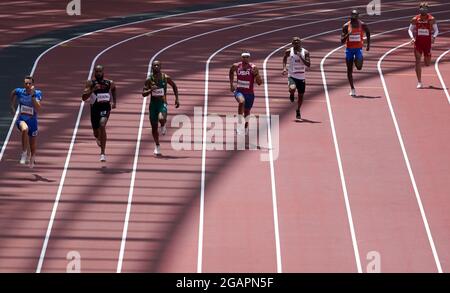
x=202, y=191
x=436, y=67
x=406, y=158
x=36, y=62
x=72, y=143
x=130, y=195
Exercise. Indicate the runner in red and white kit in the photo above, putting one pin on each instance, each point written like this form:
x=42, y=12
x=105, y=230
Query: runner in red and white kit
x=423, y=31
x=247, y=73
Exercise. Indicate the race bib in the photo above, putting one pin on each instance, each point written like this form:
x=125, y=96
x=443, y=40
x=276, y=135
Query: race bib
x=243, y=84
x=103, y=97
x=355, y=38
x=26, y=110
x=423, y=32
x=158, y=92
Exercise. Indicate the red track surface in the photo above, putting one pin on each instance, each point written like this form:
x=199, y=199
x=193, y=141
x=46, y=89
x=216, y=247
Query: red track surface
x=239, y=228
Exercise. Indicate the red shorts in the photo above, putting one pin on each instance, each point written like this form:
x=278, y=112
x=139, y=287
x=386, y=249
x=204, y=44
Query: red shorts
x=423, y=46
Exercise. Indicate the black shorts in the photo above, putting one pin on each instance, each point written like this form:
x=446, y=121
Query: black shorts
x=99, y=110
x=299, y=84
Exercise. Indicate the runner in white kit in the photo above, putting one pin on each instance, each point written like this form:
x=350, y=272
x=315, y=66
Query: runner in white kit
x=295, y=61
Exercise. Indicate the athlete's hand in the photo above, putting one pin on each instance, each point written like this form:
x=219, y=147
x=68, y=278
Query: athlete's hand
x=432, y=40
x=232, y=88
x=368, y=48
x=13, y=110
x=413, y=41
x=113, y=105
x=284, y=71
x=177, y=103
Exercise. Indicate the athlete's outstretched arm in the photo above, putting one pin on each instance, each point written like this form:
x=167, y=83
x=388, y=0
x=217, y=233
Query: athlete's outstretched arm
x=175, y=90
x=367, y=31
x=258, y=78
x=231, y=77
x=344, y=34
x=286, y=55
x=13, y=101
x=113, y=94
x=87, y=91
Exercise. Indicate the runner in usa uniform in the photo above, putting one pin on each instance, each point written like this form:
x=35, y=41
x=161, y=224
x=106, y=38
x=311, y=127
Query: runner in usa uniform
x=353, y=37
x=423, y=31
x=29, y=103
x=299, y=59
x=100, y=91
x=247, y=73
x=156, y=87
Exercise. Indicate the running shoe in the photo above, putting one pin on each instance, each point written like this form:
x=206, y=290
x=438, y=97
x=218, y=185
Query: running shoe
x=157, y=151
x=23, y=158
x=419, y=85
x=163, y=130
x=102, y=158
x=297, y=115
x=352, y=92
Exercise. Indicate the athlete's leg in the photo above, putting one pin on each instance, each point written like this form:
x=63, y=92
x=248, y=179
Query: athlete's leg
x=33, y=146
x=418, y=56
x=25, y=137
x=359, y=63
x=292, y=88
x=102, y=134
x=350, y=72
x=155, y=133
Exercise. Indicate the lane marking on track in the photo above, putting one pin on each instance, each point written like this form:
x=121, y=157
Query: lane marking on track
x=436, y=67
x=130, y=198
x=80, y=111
x=64, y=43
x=355, y=246
x=406, y=158
x=200, y=248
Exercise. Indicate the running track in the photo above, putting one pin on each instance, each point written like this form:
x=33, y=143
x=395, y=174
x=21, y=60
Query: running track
x=365, y=174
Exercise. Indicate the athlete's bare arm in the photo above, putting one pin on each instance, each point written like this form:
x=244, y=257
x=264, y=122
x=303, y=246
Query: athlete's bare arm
x=345, y=33
x=36, y=103
x=13, y=101
x=147, y=87
x=258, y=78
x=87, y=90
x=286, y=55
x=231, y=76
x=175, y=90
x=307, y=60
x=365, y=27
x=113, y=94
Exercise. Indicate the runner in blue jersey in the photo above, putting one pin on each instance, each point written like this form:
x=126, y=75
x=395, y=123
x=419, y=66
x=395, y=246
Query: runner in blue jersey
x=29, y=102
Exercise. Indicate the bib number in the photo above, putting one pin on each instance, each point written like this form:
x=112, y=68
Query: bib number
x=158, y=92
x=355, y=38
x=423, y=32
x=26, y=110
x=243, y=84
x=103, y=97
